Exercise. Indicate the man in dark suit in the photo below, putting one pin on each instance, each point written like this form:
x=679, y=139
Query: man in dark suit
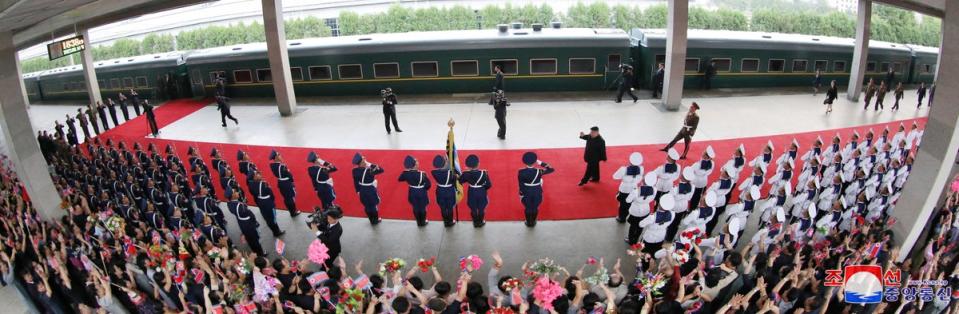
x=658, y=80
x=594, y=153
x=329, y=234
x=708, y=73
x=686, y=133
x=499, y=78
x=626, y=85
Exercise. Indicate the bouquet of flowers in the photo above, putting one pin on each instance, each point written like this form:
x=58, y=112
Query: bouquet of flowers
x=601, y=276
x=235, y=293
x=244, y=266
x=511, y=284
x=502, y=310
x=426, y=264
x=318, y=252
x=350, y=300
x=545, y=267
x=680, y=256
x=470, y=263
x=213, y=253
x=115, y=224
x=391, y=265
x=635, y=249
x=592, y=260
x=546, y=291
x=691, y=235
x=651, y=282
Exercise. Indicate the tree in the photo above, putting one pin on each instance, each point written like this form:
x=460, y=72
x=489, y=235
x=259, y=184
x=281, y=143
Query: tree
x=308, y=27
x=157, y=43
x=654, y=17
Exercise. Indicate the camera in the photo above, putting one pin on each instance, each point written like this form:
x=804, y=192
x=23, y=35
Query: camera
x=318, y=217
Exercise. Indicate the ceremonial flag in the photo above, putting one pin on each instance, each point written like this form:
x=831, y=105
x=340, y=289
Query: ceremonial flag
x=874, y=250
x=280, y=247
x=454, y=160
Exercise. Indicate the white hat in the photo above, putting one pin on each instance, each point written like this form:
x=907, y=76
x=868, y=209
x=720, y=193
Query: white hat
x=689, y=173
x=769, y=144
x=843, y=201
x=780, y=214
x=789, y=188
x=711, y=199
x=673, y=154
x=795, y=143
x=837, y=136
x=869, y=194
x=815, y=180
x=710, y=152
x=811, y=210
x=870, y=131
x=636, y=159
x=733, y=226
x=650, y=178
x=819, y=139
x=792, y=163
x=754, y=192
x=855, y=133
x=667, y=201
x=742, y=148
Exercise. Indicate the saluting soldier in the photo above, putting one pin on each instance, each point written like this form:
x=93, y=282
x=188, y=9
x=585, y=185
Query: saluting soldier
x=246, y=166
x=446, y=176
x=112, y=108
x=217, y=162
x=208, y=207
x=319, y=174
x=478, y=183
x=690, y=123
x=284, y=181
x=419, y=185
x=246, y=220
x=364, y=182
x=531, y=185
x=230, y=185
x=122, y=99
x=263, y=197
x=102, y=112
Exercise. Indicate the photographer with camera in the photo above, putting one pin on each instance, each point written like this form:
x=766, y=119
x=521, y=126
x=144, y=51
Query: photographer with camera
x=326, y=225
x=626, y=84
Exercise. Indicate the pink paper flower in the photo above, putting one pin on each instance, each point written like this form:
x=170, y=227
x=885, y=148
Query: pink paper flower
x=318, y=252
x=470, y=263
x=546, y=291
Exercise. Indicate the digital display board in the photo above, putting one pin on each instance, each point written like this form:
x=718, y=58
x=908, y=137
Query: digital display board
x=66, y=47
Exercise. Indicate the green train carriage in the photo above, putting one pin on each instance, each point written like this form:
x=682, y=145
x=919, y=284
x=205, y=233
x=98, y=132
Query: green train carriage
x=923, y=67
x=141, y=73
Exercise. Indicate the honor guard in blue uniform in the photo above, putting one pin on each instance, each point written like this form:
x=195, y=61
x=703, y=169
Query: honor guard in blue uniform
x=207, y=206
x=231, y=185
x=531, y=185
x=202, y=178
x=419, y=185
x=247, y=167
x=446, y=176
x=246, y=220
x=171, y=157
x=263, y=197
x=176, y=221
x=180, y=202
x=212, y=232
x=478, y=183
x=284, y=182
x=195, y=160
x=320, y=177
x=154, y=218
x=157, y=197
x=364, y=181
x=218, y=163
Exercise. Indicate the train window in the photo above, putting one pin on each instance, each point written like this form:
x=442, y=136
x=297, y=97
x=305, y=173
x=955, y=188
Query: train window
x=800, y=65
x=264, y=75
x=318, y=73
x=66, y=86
x=692, y=64
x=127, y=82
x=386, y=70
x=749, y=65
x=242, y=76
x=425, y=68
x=508, y=66
x=114, y=84
x=821, y=65
x=722, y=64
x=612, y=62
x=776, y=65
x=839, y=66
x=350, y=71
x=296, y=73
x=464, y=68
x=142, y=81
x=871, y=66
x=897, y=67
x=216, y=74
x=542, y=66
x=102, y=84
x=883, y=67
x=582, y=66
x=927, y=68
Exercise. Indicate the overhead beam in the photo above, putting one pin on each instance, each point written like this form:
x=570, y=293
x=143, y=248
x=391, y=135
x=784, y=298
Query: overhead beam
x=934, y=8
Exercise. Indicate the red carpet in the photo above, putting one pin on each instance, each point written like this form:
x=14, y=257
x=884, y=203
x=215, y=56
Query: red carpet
x=563, y=198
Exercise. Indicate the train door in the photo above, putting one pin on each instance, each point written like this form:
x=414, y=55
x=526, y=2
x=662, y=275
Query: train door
x=913, y=70
x=196, y=83
x=613, y=71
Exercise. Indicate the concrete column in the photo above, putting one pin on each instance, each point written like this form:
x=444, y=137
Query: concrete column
x=89, y=73
x=279, y=57
x=676, y=28
x=936, y=156
x=942, y=32
x=861, y=54
x=20, y=138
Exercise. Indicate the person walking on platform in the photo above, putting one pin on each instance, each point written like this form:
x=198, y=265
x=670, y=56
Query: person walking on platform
x=932, y=93
x=224, y=107
x=389, y=109
x=92, y=117
x=817, y=82
x=881, y=96
x=690, y=123
x=831, y=94
x=219, y=86
x=898, y=94
x=419, y=187
x=890, y=76
x=446, y=176
x=626, y=84
x=151, y=118
x=284, y=181
x=364, y=181
x=531, y=185
x=658, y=80
x=498, y=71
x=320, y=178
x=499, y=103
x=629, y=177
x=921, y=92
x=594, y=153
x=870, y=91
x=122, y=99
x=263, y=197
x=478, y=183
x=112, y=108
x=708, y=73
x=247, y=222
x=135, y=99
x=102, y=112
x=83, y=124
x=71, y=131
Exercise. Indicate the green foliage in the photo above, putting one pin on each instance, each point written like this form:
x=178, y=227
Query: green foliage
x=157, y=43
x=43, y=63
x=308, y=27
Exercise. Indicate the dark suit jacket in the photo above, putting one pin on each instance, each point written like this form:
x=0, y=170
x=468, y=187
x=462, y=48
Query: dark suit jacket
x=595, y=148
x=331, y=237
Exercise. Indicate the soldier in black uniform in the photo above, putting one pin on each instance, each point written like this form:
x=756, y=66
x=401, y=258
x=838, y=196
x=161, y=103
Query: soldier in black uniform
x=389, y=109
x=224, y=107
x=531, y=185
x=122, y=99
x=626, y=84
x=151, y=118
x=72, y=131
x=319, y=174
x=112, y=108
x=499, y=78
x=246, y=220
x=247, y=167
x=83, y=124
x=499, y=103
x=284, y=181
x=658, y=80
x=208, y=207
x=686, y=133
x=217, y=162
x=102, y=112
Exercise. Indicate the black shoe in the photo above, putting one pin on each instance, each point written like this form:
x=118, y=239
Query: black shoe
x=388, y=132
x=279, y=234
x=398, y=130
x=582, y=183
x=224, y=125
x=480, y=225
x=635, y=100
x=622, y=221
x=594, y=180
x=237, y=122
x=664, y=149
x=378, y=221
x=294, y=214
x=618, y=101
x=683, y=157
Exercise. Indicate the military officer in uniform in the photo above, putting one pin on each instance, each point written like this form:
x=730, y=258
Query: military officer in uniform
x=284, y=181
x=247, y=167
x=419, y=185
x=499, y=103
x=320, y=177
x=263, y=197
x=478, y=183
x=231, y=185
x=531, y=185
x=389, y=109
x=364, y=181
x=686, y=133
x=208, y=207
x=82, y=118
x=217, y=161
x=446, y=176
x=246, y=220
